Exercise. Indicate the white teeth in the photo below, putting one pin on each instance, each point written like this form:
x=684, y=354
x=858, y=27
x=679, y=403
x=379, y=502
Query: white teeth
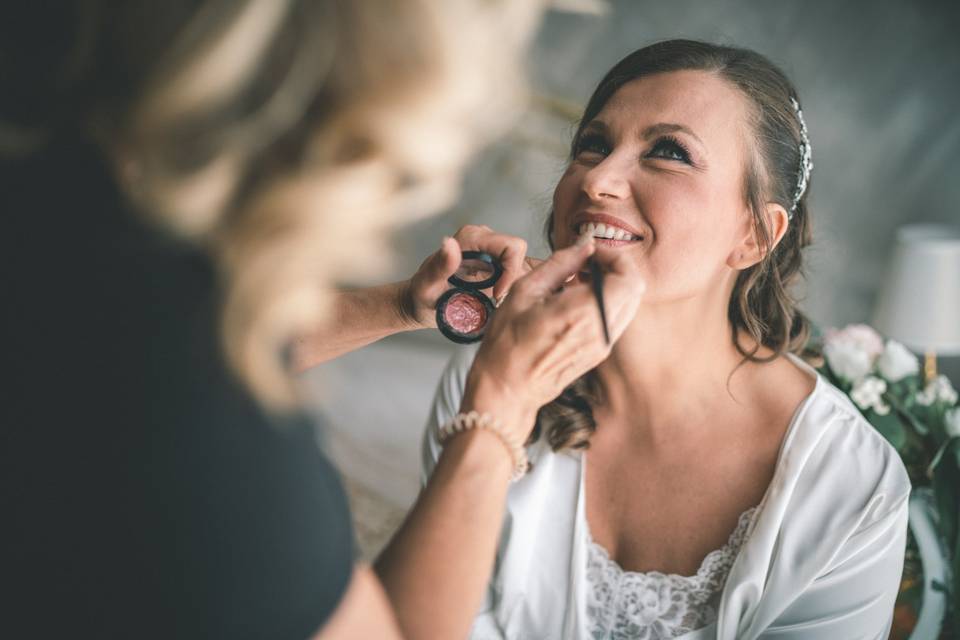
x=604, y=231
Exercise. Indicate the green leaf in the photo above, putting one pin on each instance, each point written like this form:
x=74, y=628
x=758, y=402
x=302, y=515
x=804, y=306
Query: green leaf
x=956, y=586
x=889, y=427
x=946, y=482
x=905, y=414
x=938, y=456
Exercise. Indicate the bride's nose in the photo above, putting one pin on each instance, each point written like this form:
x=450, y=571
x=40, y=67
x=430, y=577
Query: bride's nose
x=608, y=179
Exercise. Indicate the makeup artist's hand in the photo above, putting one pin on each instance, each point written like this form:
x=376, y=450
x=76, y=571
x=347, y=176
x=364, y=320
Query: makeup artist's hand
x=546, y=336
x=419, y=297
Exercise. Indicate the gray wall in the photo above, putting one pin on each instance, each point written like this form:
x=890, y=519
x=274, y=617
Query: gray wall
x=879, y=84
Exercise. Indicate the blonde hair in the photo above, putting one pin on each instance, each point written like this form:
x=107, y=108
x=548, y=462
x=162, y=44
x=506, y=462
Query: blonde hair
x=288, y=136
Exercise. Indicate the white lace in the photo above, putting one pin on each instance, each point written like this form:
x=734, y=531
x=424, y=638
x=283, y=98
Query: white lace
x=656, y=606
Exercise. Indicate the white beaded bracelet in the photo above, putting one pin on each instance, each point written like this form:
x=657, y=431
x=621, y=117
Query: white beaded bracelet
x=473, y=420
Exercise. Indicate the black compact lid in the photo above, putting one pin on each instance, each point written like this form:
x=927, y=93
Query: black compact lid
x=478, y=270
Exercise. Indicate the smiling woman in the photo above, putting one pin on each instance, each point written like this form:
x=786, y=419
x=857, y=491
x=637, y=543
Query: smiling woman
x=702, y=481
x=746, y=177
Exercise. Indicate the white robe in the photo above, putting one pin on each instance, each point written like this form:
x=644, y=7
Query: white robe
x=823, y=559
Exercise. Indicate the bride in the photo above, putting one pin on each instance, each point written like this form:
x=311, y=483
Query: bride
x=703, y=481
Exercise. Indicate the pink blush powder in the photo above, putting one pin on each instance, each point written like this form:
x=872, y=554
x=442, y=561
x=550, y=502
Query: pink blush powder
x=465, y=314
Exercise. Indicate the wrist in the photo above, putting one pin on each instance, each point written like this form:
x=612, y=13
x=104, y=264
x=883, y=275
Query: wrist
x=478, y=453
x=486, y=396
x=405, y=307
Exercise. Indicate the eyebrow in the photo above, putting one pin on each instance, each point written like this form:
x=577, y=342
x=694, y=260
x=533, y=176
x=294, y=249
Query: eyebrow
x=652, y=131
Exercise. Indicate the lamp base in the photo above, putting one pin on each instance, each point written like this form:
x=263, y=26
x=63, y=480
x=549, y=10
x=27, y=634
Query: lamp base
x=929, y=366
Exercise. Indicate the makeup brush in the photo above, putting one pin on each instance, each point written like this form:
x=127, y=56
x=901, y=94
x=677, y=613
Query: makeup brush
x=596, y=280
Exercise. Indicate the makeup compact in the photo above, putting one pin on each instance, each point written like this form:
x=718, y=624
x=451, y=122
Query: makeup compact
x=464, y=312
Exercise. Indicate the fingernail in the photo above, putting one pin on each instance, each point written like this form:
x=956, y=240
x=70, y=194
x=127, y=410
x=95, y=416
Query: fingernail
x=499, y=300
x=585, y=239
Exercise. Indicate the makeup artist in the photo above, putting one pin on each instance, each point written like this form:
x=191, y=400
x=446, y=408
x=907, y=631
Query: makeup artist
x=180, y=190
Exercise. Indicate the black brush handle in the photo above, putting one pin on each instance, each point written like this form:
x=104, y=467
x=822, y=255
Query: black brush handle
x=596, y=278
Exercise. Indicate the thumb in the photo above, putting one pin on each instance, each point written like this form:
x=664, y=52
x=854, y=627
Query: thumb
x=445, y=262
x=432, y=276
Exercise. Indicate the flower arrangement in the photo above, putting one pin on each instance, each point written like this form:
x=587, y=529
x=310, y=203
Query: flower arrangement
x=919, y=418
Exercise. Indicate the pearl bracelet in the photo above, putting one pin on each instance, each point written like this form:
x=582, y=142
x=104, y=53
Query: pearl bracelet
x=473, y=420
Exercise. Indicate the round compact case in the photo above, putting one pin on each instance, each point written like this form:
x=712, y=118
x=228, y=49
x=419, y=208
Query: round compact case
x=463, y=312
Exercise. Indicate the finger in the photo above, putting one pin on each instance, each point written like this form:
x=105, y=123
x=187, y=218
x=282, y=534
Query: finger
x=623, y=292
x=554, y=271
x=529, y=264
x=582, y=314
x=576, y=359
x=512, y=260
x=510, y=252
x=618, y=263
x=439, y=267
x=532, y=263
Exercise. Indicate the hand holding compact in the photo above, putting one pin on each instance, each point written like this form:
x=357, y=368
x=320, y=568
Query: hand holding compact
x=431, y=281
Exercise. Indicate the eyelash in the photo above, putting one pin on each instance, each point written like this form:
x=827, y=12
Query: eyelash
x=590, y=142
x=595, y=143
x=678, y=147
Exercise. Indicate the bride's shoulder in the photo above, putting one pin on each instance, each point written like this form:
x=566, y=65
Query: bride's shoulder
x=832, y=437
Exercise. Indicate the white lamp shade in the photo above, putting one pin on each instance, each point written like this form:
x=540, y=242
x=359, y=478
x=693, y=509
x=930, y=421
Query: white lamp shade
x=919, y=302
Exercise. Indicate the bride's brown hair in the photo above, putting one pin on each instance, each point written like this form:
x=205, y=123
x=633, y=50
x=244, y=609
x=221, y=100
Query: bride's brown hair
x=761, y=304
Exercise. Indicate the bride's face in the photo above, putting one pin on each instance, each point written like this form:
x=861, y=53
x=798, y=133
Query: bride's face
x=662, y=168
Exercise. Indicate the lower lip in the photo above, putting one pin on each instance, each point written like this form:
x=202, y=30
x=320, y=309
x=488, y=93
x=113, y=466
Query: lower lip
x=607, y=242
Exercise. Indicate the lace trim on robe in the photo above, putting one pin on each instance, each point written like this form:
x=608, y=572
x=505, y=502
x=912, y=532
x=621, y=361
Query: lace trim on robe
x=656, y=606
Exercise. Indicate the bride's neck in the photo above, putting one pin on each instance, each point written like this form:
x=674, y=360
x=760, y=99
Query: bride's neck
x=671, y=367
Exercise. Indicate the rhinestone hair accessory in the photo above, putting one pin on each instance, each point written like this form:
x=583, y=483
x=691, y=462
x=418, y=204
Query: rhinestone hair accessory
x=806, y=159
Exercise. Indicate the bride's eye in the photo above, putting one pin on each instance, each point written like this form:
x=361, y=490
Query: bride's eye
x=592, y=145
x=670, y=149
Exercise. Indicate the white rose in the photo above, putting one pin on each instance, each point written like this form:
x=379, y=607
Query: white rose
x=896, y=362
x=951, y=422
x=847, y=359
x=863, y=336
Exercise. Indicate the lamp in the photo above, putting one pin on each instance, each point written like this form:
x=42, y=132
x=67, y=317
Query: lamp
x=919, y=302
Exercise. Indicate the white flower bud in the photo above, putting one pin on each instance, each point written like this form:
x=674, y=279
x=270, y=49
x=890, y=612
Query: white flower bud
x=951, y=422
x=868, y=394
x=943, y=391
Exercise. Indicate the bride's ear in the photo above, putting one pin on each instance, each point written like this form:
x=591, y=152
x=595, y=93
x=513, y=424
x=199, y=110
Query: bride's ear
x=751, y=249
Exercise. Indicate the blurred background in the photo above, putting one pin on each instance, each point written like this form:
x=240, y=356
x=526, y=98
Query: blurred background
x=880, y=88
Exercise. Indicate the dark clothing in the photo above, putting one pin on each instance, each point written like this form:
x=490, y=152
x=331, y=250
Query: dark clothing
x=144, y=493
